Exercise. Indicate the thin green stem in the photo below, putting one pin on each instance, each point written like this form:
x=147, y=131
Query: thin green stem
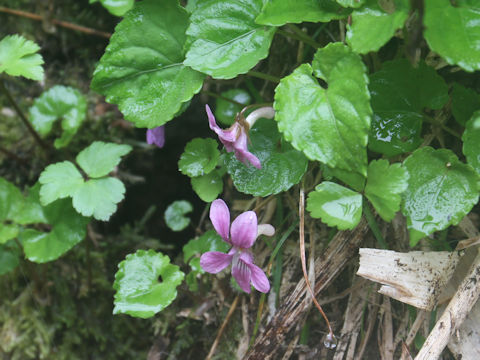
x=212, y=94
x=302, y=35
x=263, y=76
x=444, y=127
x=374, y=226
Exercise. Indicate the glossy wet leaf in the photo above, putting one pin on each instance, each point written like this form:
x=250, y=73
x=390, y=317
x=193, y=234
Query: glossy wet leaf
x=59, y=181
x=19, y=57
x=224, y=39
x=399, y=94
x=351, y=3
x=100, y=158
x=453, y=31
x=145, y=284
x=372, y=26
x=208, y=186
x=174, y=215
x=59, y=103
x=352, y=179
x=385, y=184
x=471, y=142
x=465, y=102
x=66, y=228
x=9, y=257
x=335, y=205
x=11, y=202
x=142, y=69
x=199, y=157
x=281, y=12
x=441, y=191
x=225, y=111
x=115, y=7
x=282, y=165
x=329, y=125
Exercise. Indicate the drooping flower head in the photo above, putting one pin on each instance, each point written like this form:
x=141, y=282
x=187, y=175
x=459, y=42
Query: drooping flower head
x=156, y=136
x=235, y=138
x=240, y=235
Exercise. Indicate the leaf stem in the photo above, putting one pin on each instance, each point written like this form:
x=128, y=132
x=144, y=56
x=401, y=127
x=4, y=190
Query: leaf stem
x=374, y=226
x=444, y=127
x=263, y=76
x=303, y=36
x=22, y=116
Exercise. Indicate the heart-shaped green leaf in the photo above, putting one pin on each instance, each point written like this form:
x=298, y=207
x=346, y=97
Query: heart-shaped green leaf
x=11, y=203
x=385, y=184
x=328, y=124
x=465, y=102
x=372, y=26
x=145, y=284
x=208, y=186
x=60, y=102
x=471, y=142
x=282, y=166
x=18, y=57
x=225, y=111
x=9, y=257
x=199, y=158
x=115, y=7
x=142, y=69
x=335, y=205
x=453, y=31
x=225, y=40
x=174, y=215
x=281, y=12
x=399, y=93
x=441, y=191
x=100, y=158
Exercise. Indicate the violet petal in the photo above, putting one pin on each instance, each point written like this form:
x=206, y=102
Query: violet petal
x=224, y=135
x=244, y=230
x=242, y=154
x=259, y=279
x=214, y=261
x=220, y=218
x=241, y=272
x=156, y=136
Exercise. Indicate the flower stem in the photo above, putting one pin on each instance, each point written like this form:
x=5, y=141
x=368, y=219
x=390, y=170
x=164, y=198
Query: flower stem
x=303, y=36
x=22, y=116
x=263, y=76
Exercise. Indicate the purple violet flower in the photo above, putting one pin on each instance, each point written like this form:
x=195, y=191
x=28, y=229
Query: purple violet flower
x=235, y=138
x=156, y=136
x=241, y=235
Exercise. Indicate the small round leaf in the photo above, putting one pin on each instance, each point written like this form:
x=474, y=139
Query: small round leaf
x=199, y=158
x=174, y=215
x=209, y=186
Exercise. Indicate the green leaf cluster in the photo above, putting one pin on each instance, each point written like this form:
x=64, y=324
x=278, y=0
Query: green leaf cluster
x=19, y=57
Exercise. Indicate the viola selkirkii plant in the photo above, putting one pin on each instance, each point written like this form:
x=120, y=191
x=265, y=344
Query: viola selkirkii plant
x=241, y=236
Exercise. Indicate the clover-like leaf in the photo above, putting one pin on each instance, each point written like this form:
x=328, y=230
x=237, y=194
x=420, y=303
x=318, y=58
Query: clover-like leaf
x=465, y=102
x=372, y=26
x=282, y=166
x=220, y=49
x=142, y=69
x=330, y=125
x=199, y=158
x=335, y=205
x=59, y=102
x=145, y=284
x=59, y=181
x=281, y=12
x=66, y=229
x=471, y=142
x=174, y=215
x=385, y=184
x=453, y=31
x=209, y=241
x=100, y=158
x=399, y=94
x=208, y=186
x=441, y=191
x=9, y=257
x=115, y=7
x=11, y=203
x=18, y=57
x=225, y=110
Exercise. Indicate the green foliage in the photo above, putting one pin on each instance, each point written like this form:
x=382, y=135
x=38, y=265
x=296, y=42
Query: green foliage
x=174, y=215
x=441, y=191
x=225, y=111
x=281, y=12
x=282, y=166
x=372, y=26
x=11, y=202
x=335, y=205
x=199, y=158
x=115, y=7
x=18, y=57
x=471, y=142
x=385, y=184
x=399, y=94
x=221, y=50
x=208, y=186
x=60, y=102
x=145, y=284
x=9, y=256
x=329, y=125
x=465, y=102
x=453, y=32
x=96, y=196
x=142, y=69
x=351, y=3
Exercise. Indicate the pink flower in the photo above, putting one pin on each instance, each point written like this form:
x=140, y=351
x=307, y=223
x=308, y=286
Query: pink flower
x=235, y=139
x=156, y=136
x=241, y=235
